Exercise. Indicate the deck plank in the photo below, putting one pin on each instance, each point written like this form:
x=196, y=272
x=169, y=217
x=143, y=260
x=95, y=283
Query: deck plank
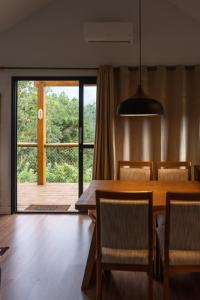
x=49, y=194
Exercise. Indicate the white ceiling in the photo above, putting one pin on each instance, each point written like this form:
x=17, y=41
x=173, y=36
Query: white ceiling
x=53, y=32
x=14, y=11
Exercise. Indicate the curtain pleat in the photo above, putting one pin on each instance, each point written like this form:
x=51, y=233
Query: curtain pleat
x=104, y=159
x=173, y=136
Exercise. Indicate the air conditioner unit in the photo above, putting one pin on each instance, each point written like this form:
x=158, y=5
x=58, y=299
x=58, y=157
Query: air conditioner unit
x=108, y=32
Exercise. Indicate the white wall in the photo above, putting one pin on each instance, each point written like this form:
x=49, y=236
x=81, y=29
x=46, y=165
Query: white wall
x=53, y=37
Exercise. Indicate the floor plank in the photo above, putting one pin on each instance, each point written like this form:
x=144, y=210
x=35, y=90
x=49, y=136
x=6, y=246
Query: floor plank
x=47, y=257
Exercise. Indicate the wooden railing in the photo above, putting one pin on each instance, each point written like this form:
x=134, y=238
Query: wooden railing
x=64, y=145
x=41, y=159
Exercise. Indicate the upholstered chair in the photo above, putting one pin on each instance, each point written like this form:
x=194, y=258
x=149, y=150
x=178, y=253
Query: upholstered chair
x=179, y=239
x=173, y=170
x=135, y=170
x=131, y=170
x=124, y=234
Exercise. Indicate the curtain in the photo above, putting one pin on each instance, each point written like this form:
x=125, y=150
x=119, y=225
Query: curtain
x=104, y=158
x=173, y=136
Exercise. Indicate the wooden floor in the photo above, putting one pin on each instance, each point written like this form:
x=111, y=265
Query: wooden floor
x=46, y=261
x=50, y=193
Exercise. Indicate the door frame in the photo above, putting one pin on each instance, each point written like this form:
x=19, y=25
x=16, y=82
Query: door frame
x=83, y=80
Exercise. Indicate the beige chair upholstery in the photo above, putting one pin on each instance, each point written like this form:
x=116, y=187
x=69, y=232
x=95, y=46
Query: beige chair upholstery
x=179, y=239
x=173, y=174
x=135, y=170
x=177, y=257
x=124, y=256
x=131, y=170
x=134, y=173
x=173, y=170
x=124, y=233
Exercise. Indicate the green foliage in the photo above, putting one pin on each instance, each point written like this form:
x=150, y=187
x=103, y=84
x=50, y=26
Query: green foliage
x=62, y=119
x=27, y=175
x=89, y=123
x=62, y=127
x=27, y=112
x=62, y=173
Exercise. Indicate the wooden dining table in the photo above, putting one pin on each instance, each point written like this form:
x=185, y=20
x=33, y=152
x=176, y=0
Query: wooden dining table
x=159, y=189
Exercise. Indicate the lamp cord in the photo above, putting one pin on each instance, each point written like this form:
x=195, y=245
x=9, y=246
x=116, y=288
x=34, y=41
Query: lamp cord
x=140, y=44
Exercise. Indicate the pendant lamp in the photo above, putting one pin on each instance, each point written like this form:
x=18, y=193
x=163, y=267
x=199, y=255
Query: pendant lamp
x=140, y=104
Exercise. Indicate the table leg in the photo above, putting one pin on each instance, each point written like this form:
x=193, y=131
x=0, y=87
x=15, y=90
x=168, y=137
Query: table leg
x=91, y=260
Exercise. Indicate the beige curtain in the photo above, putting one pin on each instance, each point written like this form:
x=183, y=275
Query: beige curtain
x=174, y=136
x=103, y=167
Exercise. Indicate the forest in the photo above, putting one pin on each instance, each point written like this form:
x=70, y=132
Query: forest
x=62, y=123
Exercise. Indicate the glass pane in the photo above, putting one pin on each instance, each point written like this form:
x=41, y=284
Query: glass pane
x=87, y=166
x=62, y=113
x=26, y=112
x=89, y=113
x=62, y=174
x=26, y=164
x=62, y=164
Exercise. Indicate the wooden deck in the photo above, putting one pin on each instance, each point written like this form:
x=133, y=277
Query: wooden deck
x=49, y=194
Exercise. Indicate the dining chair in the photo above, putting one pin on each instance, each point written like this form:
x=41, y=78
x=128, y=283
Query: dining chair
x=135, y=170
x=178, y=240
x=124, y=234
x=130, y=170
x=173, y=170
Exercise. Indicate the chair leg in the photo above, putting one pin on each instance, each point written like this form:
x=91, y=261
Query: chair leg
x=98, y=282
x=150, y=283
x=157, y=260
x=166, y=285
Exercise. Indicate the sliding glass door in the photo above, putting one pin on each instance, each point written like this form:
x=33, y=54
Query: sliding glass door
x=53, y=141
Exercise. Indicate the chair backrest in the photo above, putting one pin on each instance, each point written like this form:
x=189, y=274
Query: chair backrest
x=124, y=220
x=135, y=170
x=173, y=170
x=182, y=226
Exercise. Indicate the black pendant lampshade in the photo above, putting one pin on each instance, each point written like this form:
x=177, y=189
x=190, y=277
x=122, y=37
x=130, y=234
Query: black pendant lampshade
x=140, y=104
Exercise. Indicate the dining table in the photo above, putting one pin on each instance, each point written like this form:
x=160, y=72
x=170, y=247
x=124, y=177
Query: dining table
x=87, y=201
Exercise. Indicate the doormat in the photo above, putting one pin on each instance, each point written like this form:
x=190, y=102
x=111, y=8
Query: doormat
x=52, y=208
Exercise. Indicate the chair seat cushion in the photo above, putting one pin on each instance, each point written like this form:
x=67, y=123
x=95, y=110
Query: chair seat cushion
x=124, y=256
x=177, y=257
x=181, y=257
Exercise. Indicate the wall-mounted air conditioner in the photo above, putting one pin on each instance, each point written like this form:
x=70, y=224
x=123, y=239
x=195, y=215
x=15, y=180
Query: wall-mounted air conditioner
x=108, y=32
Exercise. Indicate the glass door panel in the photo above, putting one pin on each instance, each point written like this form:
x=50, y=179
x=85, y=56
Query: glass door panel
x=26, y=141
x=62, y=155
x=89, y=125
x=55, y=139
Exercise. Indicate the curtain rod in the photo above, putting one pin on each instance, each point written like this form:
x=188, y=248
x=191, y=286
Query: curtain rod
x=188, y=67
x=44, y=68
x=92, y=68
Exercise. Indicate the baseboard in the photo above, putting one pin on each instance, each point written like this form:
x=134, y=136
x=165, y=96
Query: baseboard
x=5, y=210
